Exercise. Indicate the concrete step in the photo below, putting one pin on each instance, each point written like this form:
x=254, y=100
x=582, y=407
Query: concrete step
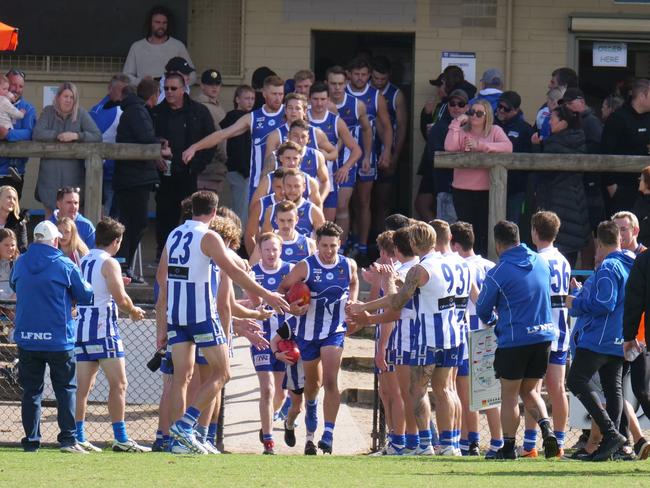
x=365, y=364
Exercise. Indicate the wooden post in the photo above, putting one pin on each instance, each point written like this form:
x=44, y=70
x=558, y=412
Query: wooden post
x=93, y=191
x=498, y=204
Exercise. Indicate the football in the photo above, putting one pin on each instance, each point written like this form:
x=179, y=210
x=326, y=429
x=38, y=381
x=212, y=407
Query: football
x=300, y=293
x=290, y=348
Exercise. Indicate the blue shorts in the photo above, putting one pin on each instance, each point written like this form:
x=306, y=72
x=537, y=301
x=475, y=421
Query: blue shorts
x=106, y=348
x=167, y=365
x=391, y=365
x=203, y=334
x=441, y=358
x=402, y=358
x=332, y=199
x=558, y=357
x=352, y=177
x=310, y=350
x=264, y=360
x=463, y=369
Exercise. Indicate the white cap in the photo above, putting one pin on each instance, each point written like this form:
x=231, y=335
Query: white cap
x=46, y=231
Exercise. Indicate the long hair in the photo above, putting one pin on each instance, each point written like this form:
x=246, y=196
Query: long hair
x=66, y=85
x=5, y=188
x=76, y=244
x=159, y=10
x=488, y=118
x=4, y=233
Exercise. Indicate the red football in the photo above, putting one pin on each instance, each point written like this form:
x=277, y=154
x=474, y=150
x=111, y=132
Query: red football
x=290, y=348
x=299, y=292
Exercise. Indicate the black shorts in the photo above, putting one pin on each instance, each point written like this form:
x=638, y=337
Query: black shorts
x=516, y=363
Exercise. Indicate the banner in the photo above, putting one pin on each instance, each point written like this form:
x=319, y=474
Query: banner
x=485, y=388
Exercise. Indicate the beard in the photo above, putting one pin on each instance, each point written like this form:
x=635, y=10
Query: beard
x=160, y=33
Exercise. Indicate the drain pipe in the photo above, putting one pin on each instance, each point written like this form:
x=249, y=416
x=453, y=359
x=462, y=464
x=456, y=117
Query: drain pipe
x=509, y=23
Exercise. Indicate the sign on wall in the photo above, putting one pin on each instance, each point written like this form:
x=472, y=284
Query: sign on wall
x=485, y=389
x=610, y=54
x=49, y=92
x=465, y=61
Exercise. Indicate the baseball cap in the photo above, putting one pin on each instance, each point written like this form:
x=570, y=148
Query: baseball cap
x=511, y=99
x=441, y=77
x=460, y=94
x=46, y=231
x=492, y=77
x=571, y=94
x=178, y=65
x=211, y=77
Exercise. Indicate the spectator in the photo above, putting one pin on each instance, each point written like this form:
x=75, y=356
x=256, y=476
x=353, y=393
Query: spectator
x=257, y=82
x=563, y=192
x=239, y=149
x=70, y=243
x=181, y=121
x=642, y=207
x=176, y=65
x=474, y=131
x=561, y=79
x=8, y=255
x=148, y=56
x=434, y=197
x=135, y=180
x=598, y=346
x=627, y=131
x=610, y=105
x=452, y=78
x=12, y=218
x=67, y=203
x=510, y=118
x=63, y=121
x=12, y=170
x=46, y=285
x=492, y=83
x=8, y=113
x=106, y=115
x=553, y=96
x=214, y=175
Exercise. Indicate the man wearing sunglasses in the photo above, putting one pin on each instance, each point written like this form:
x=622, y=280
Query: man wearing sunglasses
x=12, y=170
x=510, y=118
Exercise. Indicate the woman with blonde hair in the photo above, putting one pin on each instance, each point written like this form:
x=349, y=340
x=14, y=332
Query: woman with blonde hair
x=71, y=244
x=475, y=131
x=63, y=121
x=11, y=217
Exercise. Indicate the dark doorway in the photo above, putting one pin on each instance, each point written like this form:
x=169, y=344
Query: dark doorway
x=337, y=47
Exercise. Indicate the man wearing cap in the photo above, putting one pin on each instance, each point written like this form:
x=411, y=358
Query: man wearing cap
x=47, y=284
x=511, y=120
x=214, y=175
x=182, y=67
x=148, y=56
x=492, y=83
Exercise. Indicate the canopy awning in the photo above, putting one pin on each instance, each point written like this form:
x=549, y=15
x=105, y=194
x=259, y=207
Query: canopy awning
x=8, y=37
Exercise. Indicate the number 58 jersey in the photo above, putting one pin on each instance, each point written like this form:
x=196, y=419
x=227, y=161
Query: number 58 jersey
x=190, y=276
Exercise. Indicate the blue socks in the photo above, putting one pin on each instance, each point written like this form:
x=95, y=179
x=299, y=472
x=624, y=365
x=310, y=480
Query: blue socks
x=530, y=439
x=425, y=438
x=560, y=437
x=328, y=433
x=201, y=432
x=284, y=409
x=212, y=433
x=447, y=438
x=81, y=434
x=398, y=440
x=496, y=444
x=311, y=415
x=188, y=421
x=412, y=441
x=119, y=431
x=267, y=437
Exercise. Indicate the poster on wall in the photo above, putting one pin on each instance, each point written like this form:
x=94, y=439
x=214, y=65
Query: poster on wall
x=464, y=60
x=49, y=92
x=610, y=54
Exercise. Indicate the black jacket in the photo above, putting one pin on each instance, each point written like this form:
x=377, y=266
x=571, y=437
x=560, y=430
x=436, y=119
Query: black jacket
x=637, y=298
x=642, y=211
x=441, y=108
x=19, y=226
x=135, y=126
x=564, y=193
x=238, y=148
x=519, y=132
x=197, y=122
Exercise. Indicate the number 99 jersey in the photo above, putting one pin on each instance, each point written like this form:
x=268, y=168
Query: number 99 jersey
x=190, y=294
x=560, y=279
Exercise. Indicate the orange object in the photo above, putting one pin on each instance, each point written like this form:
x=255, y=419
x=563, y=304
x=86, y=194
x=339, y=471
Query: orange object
x=290, y=348
x=8, y=37
x=641, y=334
x=300, y=293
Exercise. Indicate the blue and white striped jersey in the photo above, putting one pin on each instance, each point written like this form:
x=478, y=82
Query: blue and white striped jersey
x=190, y=276
x=330, y=289
x=560, y=279
x=478, y=267
x=262, y=124
x=99, y=320
x=270, y=279
x=401, y=338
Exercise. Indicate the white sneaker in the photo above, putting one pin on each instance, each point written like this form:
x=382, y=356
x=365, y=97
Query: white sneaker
x=408, y=452
x=381, y=452
x=73, y=449
x=87, y=446
x=427, y=451
x=458, y=452
x=448, y=451
x=391, y=450
x=129, y=446
x=187, y=439
x=209, y=447
x=178, y=448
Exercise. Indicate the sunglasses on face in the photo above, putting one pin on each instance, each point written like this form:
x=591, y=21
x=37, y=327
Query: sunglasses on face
x=457, y=104
x=170, y=88
x=476, y=113
x=505, y=108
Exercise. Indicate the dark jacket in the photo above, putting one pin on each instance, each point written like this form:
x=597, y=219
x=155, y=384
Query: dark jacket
x=19, y=226
x=626, y=132
x=637, y=298
x=593, y=129
x=441, y=108
x=238, y=148
x=135, y=126
x=198, y=123
x=642, y=211
x=436, y=142
x=564, y=193
x=519, y=132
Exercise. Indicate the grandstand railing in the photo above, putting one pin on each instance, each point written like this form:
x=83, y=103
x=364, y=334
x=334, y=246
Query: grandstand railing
x=93, y=154
x=500, y=163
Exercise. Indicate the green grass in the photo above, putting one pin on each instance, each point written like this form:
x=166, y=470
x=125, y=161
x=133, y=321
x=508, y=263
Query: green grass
x=49, y=468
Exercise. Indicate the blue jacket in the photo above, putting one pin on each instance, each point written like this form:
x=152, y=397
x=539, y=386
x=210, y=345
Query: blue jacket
x=519, y=287
x=46, y=284
x=602, y=309
x=85, y=228
x=492, y=95
x=581, y=320
x=22, y=131
x=104, y=114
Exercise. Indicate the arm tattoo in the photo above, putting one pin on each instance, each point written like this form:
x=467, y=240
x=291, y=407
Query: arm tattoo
x=411, y=282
